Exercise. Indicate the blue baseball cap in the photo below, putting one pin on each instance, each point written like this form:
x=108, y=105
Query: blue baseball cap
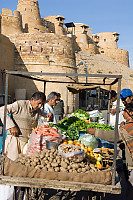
x=125, y=93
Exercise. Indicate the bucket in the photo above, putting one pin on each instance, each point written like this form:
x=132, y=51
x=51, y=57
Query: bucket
x=51, y=145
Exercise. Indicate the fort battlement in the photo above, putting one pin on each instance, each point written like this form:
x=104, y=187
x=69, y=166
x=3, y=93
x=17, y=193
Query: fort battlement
x=11, y=23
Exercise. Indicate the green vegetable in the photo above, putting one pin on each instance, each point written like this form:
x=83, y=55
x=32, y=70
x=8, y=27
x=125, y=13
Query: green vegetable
x=89, y=140
x=81, y=114
x=99, y=126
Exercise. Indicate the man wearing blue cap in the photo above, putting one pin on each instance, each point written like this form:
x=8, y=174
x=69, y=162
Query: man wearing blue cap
x=126, y=96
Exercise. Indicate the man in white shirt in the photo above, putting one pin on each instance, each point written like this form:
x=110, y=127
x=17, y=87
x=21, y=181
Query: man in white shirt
x=113, y=110
x=52, y=101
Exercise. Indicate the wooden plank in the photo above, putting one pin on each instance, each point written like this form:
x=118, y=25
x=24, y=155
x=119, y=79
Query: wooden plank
x=62, y=185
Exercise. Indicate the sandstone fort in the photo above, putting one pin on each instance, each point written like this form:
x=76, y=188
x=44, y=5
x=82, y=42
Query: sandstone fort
x=32, y=43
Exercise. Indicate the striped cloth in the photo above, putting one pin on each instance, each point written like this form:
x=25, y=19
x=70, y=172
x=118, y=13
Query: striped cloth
x=127, y=136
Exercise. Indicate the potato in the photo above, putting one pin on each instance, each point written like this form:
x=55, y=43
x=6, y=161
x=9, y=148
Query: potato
x=50, y=160
x=75, y=166
x=87, y=167
x=79, y=170
x=57, y=169
x=42, y=156
x=63, y=169
x=69, y=167
x=83, y=170
x=64, y=165
x=58, y=161
x=54, y=164
x=48, y=165
x=67, y=161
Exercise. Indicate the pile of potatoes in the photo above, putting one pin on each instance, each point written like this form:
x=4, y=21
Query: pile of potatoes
x=52, y=161
x=67, y=148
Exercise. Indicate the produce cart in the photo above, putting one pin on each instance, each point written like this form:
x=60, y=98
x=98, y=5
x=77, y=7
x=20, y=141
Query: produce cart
x=59, y=184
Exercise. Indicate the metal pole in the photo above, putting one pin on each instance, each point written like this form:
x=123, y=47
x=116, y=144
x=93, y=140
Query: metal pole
x=2, y=83
x=108, y=113
x=5, y=111
x=99, y=98
x=44, y=89
x=116, y=131
x=86, y=82
x=66, y=100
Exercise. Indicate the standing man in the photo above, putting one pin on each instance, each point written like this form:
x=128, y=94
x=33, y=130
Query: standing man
x=126, y=96
x=49, y=106
x=59, y=108
x=113, y=101
x=24, y=117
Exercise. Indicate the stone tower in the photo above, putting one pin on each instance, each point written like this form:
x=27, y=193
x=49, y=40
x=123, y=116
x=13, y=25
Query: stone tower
x=31, y=19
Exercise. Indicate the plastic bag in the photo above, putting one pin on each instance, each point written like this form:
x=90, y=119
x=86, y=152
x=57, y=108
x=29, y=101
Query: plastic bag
x=89, y=140
x=75, y=156
x=38, y=143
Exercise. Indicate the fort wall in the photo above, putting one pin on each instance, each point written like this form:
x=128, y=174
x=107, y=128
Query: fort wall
x=11, y=24
x=119, y=55
x=47, y=53
x=6, y=62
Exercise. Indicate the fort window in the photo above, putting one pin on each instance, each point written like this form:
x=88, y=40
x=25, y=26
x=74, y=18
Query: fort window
x=31, y=10
x=25, y=41
x=25, y=9
x=104, y=40
x=34, y=3
x=52, y=50
x=36, y=41
x=20, y=48
x=31, y=48
x=41, y=49
x=102, y=51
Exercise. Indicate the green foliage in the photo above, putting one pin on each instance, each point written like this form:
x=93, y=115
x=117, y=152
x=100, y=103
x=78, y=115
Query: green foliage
x=99, y=126
x=81, y=114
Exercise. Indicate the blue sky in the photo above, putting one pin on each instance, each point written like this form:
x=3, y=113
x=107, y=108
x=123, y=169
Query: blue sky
x=100, y=15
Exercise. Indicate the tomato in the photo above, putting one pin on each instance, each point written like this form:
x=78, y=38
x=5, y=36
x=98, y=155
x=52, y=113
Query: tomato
x=74, y=141
x=99, y=166
x=65, y=142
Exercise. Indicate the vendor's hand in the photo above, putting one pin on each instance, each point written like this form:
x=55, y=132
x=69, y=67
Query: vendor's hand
x=91, y=131
x=50, y=117
x=113, y=111
x=14, y=131
x=122, y=124
x=110, y=109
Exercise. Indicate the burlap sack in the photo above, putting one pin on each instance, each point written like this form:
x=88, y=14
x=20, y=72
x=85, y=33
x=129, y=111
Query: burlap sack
x=11, y=168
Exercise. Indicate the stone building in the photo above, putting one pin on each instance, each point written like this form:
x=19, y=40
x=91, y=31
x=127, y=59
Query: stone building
x=36, y=44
